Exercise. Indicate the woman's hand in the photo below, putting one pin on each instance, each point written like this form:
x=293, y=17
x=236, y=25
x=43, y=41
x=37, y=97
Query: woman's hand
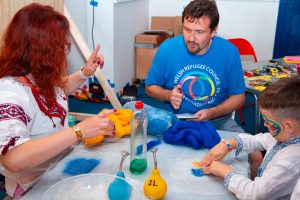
x=218, y=168
x=97, y=125
x=218, y=152
x=95, y=60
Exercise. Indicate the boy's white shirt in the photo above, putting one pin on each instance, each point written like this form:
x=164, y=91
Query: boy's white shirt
x=296, y=191
x=278, y=178
x=13, y=92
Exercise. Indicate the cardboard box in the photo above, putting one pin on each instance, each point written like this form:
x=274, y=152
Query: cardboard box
x=147, y=43
x=172, y=25
x=143, y=60
x=150, y=38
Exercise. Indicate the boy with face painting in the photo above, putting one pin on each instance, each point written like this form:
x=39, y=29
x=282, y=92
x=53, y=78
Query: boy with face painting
x=279, y=171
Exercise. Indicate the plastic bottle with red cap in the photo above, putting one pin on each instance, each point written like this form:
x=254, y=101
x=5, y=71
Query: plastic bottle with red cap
x=138, y=139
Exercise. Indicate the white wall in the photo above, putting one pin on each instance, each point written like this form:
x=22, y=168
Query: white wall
x=77, y=9
x=130, y=18
x=103, y=33
x=115, y=26
x=254, y=20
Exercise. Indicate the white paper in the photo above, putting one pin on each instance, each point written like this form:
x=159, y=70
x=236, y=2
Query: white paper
x=186, y=116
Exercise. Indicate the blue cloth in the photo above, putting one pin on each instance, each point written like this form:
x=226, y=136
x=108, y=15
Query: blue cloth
x=206, y=80
x=192, y=134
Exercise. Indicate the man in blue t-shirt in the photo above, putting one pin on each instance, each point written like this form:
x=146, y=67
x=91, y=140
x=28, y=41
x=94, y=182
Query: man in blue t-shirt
x=199, y=73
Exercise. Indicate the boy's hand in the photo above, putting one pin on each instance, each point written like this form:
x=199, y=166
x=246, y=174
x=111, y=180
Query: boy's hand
x=218, y=168
x=218, y=152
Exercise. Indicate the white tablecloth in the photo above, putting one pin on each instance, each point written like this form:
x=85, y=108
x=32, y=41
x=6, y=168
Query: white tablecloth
x=174, y=163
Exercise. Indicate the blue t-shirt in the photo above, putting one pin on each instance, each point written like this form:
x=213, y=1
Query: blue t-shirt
x=206, y=80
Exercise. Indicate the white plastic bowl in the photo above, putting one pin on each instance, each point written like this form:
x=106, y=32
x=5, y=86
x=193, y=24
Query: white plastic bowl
x=87, y=187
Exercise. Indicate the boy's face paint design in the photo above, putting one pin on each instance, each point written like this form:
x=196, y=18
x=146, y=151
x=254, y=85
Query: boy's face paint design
x=274, y=127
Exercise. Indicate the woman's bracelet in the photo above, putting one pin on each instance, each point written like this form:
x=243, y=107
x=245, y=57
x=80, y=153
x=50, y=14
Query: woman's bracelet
x=78, y=132
x=82, y=76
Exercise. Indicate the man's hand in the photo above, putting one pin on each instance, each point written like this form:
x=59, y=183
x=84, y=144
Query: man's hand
x=232, y=103
x=204, y=115
x=176, y=97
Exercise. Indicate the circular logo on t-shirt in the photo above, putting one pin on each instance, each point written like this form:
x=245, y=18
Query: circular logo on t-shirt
x=199, y=85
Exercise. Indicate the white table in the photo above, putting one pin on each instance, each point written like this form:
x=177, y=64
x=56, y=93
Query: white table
x=174, y=163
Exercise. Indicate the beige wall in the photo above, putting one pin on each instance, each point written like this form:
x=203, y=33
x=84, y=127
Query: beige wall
x=9, y=7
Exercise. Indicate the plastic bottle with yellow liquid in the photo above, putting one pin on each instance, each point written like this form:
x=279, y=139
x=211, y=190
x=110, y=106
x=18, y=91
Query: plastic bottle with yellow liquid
x=138, y=138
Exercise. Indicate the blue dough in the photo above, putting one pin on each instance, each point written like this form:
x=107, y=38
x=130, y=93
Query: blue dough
x=197, y=172
x=80, y=166
x=159, y=120
x=150, y=145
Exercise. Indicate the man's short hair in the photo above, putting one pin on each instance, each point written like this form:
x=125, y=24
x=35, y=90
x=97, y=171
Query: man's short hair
x=282, y=98
x=199, y=8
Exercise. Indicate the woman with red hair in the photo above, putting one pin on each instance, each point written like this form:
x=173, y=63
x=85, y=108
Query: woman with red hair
x=34, y=128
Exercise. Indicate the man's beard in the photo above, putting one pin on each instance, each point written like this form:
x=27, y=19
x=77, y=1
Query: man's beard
x=195, y=49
